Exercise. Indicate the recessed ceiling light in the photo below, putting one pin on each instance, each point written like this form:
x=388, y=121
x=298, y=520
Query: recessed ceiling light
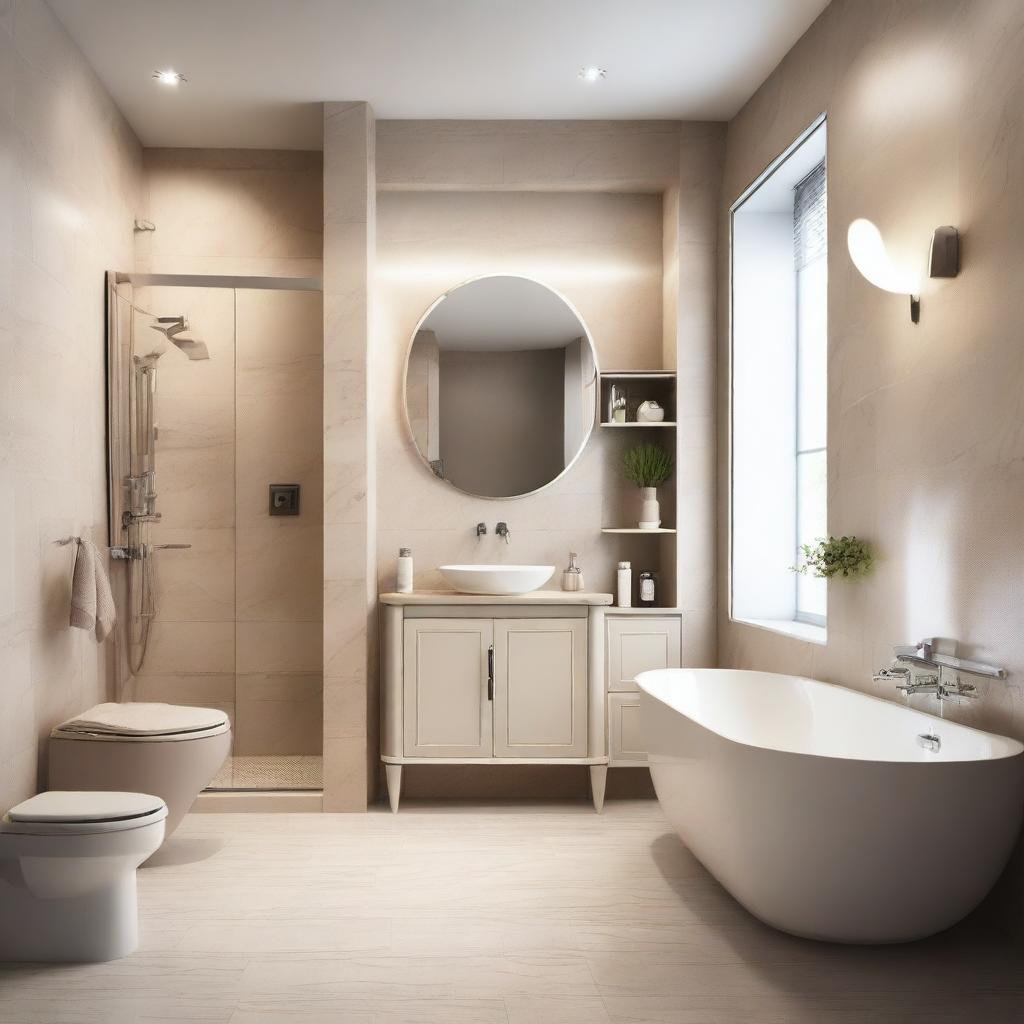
x=592, y=74
x=169, y=77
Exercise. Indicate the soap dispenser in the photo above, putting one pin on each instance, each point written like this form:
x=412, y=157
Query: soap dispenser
x=572, y=577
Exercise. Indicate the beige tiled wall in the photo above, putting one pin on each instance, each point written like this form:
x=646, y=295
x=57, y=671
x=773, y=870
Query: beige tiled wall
x=925, y=105
x=349, y=633
x=240, y=614
x=70, y=186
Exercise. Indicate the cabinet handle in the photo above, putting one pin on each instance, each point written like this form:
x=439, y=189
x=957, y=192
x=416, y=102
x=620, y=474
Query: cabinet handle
x=490, y=672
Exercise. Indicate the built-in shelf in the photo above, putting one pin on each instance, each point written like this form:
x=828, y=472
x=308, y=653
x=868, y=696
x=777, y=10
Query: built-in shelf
x=661, y=423
x=634, y=529
x=639, y=386
x=640, y=374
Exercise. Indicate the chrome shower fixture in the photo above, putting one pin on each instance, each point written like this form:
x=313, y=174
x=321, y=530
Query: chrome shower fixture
x=171, y=326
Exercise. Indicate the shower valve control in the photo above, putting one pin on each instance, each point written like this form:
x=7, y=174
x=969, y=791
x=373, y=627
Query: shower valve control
x=284, y=499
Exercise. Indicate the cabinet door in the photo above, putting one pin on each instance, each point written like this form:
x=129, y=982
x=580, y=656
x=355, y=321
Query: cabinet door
x=639, y=643
x=447, y=710
x=625, y=737
x=540, y=688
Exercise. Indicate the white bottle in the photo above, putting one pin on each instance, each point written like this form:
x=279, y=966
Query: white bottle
x=405, y=570
x=625, y=585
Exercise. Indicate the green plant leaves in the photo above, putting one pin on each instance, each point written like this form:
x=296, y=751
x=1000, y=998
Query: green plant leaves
x=846, y=557
x=648, y=465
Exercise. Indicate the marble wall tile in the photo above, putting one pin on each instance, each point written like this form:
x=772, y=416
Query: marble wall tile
x=197, y=486
x=279, y=714
x=197, y=583
x=238, y=211
x=527, y=155
x=349, y=478
x=70, y=186
x=278, y=647
x=279, y=572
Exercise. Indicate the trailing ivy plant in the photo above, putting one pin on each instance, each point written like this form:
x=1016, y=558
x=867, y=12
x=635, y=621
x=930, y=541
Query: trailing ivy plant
x=648, y=465
x=847, y=557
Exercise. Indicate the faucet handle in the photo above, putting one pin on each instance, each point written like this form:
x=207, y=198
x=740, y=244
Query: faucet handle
x=958, y=689
x=895, y=672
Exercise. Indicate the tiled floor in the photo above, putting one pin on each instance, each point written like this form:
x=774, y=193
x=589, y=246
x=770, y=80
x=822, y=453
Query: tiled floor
x=486, y=915
x=268, y=772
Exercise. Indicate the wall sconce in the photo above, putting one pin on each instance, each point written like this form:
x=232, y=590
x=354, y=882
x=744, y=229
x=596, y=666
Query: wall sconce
x=869, y=255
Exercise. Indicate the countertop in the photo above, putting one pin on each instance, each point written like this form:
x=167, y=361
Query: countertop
x=536, y=597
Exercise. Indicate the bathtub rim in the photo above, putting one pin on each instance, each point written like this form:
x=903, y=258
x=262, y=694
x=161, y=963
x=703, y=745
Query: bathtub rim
x=643, y=677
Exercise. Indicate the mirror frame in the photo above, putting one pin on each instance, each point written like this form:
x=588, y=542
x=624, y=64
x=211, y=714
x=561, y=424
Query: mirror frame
x=405, y=383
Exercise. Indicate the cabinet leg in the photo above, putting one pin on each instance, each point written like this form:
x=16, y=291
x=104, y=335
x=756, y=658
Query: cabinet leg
x=598, y=779
x=393, y=772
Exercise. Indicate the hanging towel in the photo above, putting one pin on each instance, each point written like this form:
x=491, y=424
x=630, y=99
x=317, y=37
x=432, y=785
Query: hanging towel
x=92, y=603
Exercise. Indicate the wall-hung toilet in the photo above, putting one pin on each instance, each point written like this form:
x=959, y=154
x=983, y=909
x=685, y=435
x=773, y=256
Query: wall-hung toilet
x=67, y=874
x=169, y=750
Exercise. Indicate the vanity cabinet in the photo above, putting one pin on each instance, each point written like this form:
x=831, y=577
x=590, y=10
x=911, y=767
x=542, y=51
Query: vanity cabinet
x=471, y=680
x=638, y=640
x=447, y=703
x=540, y=688
x=501, y=688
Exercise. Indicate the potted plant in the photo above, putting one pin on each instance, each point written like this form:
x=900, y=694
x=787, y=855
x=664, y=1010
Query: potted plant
x=845, y=557
x=648, y=466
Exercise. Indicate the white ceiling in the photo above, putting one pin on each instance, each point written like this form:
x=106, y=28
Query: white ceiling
x=503, y=314
x=257, y=68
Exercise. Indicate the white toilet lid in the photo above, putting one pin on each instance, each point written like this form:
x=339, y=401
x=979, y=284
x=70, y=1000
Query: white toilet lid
x=84, y=807
x=143, y=720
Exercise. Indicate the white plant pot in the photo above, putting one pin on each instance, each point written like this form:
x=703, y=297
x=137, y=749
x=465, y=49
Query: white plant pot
x=650, y=511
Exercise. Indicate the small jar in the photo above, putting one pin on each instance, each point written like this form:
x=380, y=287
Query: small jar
x=624, y=579
x=647, y=588
x=404, y=582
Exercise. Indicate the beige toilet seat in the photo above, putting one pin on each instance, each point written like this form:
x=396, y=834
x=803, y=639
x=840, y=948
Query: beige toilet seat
x=143, y=723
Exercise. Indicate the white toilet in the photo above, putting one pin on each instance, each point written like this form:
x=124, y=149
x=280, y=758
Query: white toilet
x=67, y=874
x=169, y=750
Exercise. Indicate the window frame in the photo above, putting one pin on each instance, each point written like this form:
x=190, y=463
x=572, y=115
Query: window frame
x=805, y=626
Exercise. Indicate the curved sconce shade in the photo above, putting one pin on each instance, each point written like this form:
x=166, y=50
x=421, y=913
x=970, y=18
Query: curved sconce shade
x=870, y=257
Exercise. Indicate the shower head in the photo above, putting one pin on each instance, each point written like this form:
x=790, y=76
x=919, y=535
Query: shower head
x=193, y=349
x=172, y=326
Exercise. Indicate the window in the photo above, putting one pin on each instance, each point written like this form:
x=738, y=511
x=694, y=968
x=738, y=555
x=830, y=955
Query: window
x=779, y=363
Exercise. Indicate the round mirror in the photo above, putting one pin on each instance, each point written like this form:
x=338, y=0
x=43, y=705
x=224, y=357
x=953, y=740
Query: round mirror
x=501, y=387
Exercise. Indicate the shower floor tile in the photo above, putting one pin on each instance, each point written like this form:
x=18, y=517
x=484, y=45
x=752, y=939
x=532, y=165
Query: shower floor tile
x=269, y=772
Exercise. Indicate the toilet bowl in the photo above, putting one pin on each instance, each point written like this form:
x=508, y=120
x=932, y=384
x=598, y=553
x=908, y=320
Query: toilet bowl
x=67, y=874
x=169, y=750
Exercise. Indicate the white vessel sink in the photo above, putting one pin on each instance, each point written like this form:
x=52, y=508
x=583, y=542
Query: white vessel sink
x=497, y=579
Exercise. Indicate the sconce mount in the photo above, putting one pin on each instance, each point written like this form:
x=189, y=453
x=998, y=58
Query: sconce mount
x=867, y=250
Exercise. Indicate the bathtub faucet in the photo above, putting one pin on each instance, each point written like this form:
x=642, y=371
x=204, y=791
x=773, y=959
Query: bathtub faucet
x=944, y=679
x=921, y=684
x=908, y=682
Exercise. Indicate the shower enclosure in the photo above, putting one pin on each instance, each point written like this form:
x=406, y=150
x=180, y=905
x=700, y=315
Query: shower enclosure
x=215, y=468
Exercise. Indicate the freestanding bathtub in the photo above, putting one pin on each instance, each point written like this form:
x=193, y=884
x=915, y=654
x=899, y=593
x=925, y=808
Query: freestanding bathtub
x=823, y=810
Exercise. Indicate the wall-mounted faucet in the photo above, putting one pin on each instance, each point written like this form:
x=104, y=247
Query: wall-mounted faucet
x=481, y=529
x=909, y=659
x=502, y=530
